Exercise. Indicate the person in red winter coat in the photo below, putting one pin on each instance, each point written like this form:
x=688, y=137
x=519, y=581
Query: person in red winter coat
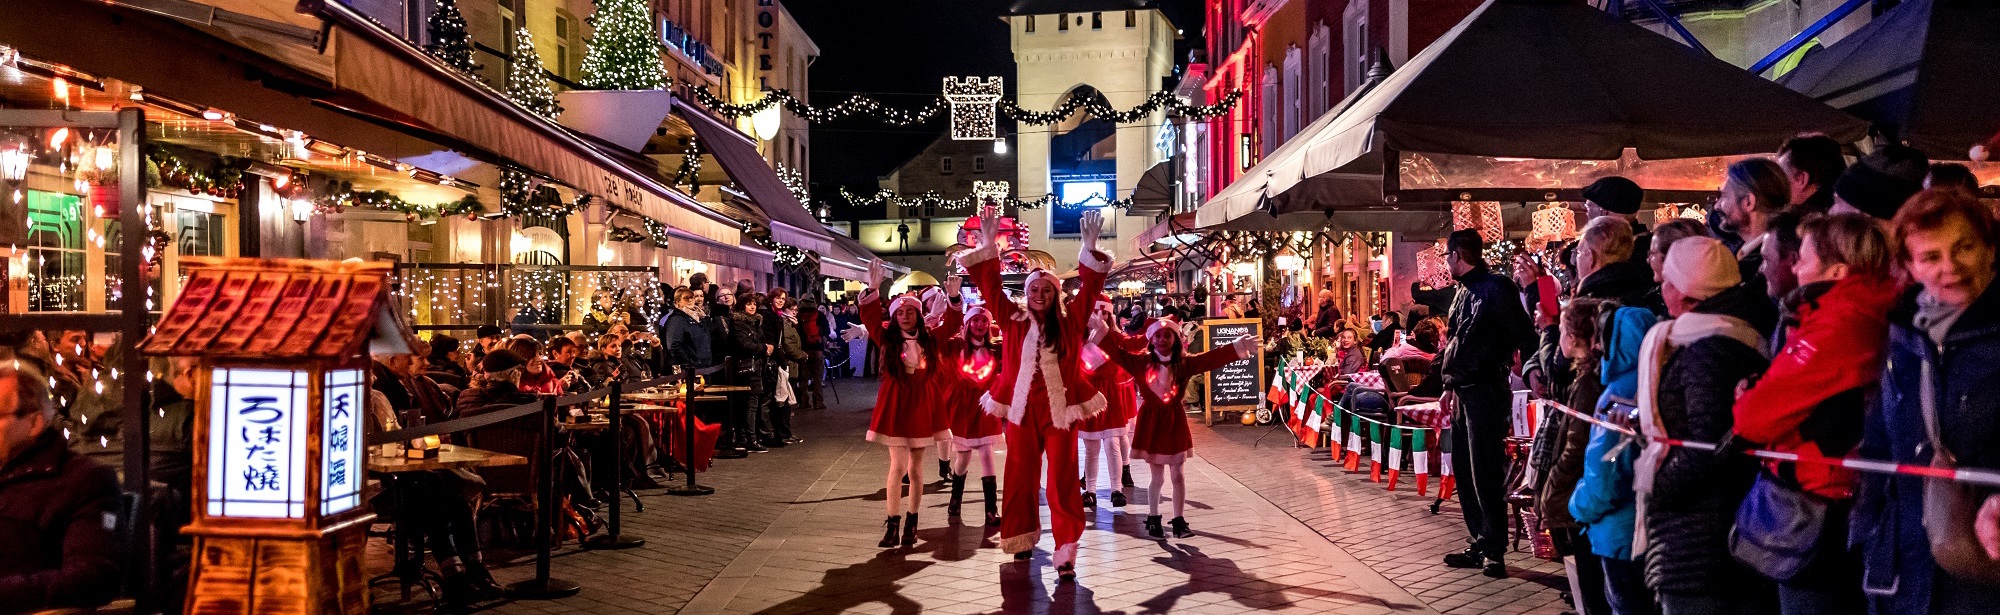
x=1162, y=369
x=905, y=418
x=1811, y=401
x=1105, y=436
x=973, y=362
x=1042, y=389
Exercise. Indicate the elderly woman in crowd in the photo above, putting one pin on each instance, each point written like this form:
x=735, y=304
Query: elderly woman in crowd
x=1937, y=408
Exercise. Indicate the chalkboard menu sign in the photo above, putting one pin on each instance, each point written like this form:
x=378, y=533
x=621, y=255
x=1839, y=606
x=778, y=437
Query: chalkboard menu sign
x=1238, y=385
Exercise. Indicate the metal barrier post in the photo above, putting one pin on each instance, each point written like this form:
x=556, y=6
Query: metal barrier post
x=612, y=538
x=542, y=587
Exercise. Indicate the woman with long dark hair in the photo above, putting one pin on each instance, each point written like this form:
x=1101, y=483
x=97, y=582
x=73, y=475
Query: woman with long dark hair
x=904, y=420
x=1042, y=389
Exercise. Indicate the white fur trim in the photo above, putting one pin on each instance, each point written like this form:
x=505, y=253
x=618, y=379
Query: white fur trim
x=995, y=408
x=978, y=255
x=1020, y=543
x=1029, y=349
x=1040, y=275
x=1107, y=434
x=886, y=440
x=1074, y=413
x=1064, y=554
x=965, y=443
x=902, y=301
x=1095, y=260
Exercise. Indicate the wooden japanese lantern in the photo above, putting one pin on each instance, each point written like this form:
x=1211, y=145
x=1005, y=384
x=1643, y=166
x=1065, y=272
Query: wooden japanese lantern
x=281, y=392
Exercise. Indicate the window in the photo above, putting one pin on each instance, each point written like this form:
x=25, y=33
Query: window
x=979, y=164
x=1066, y=218
x=55, y=252
x=1319, y=60
x=1131, y=18
x=944, y=165
x=1268, y=106
x=1355, y=65
x=1031, y=23
x=563, y=31
x=1293, y=96
x=1097, y=21
x=1062, y=22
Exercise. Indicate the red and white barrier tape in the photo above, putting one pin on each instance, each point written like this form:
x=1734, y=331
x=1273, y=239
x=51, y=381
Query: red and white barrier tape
x=1984, y=478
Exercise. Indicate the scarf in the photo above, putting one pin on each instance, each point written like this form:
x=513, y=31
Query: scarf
x=1660, y=343
x=1934, y=317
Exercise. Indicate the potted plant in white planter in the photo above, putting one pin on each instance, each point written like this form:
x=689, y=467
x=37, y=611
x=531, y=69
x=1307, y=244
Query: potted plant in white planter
x=626, y=96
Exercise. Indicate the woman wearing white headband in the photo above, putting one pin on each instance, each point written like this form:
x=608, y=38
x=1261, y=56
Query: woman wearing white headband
x=1161, y=438
x=972, y=363
x=1042, y=390
x=904, y=419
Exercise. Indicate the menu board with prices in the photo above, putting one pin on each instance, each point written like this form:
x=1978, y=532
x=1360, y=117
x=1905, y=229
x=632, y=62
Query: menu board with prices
x=1240, y=384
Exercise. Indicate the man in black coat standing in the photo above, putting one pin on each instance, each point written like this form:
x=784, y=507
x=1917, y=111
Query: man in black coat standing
x=1488, y=326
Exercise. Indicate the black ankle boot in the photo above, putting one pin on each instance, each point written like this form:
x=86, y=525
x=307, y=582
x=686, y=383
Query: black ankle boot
x=1181, y=529
x=957, y=496
x=910, y=529
x=1118, y=499
x=944, y=471
x=1153, y=526
x=889, y=536
x=992, y=489
x=1126, y=479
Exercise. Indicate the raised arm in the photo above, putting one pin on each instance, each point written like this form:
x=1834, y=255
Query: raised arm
x=954, y=316
x=1217, y=357
x=982, y=262
x=870, y=302
x=1124, y=351
x=1091, y=265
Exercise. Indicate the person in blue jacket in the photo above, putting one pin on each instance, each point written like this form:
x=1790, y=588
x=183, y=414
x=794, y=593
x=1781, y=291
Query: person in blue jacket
x=1603, y=501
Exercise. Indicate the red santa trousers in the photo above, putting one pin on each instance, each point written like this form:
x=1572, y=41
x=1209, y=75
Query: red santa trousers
x=1028, y=444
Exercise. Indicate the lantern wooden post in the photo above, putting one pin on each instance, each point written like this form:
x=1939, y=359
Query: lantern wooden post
x=283, y=348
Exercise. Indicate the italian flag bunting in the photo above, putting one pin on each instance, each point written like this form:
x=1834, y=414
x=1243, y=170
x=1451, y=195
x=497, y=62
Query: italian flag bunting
x=1376, y=442
x=1422, y=457
x=1396, y=445
x=1353, y=442
x=1280, y=387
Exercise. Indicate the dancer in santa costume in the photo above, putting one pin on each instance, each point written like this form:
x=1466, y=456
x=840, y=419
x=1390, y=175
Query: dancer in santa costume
x=1105, y=436
x=1042, y=390
x=1162, y=369
x=905, y=418
x=974, y=362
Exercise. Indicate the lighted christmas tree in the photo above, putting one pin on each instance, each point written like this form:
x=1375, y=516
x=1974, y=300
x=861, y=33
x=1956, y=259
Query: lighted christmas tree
x=525, y=85
x=622, y=53
x=449, y=41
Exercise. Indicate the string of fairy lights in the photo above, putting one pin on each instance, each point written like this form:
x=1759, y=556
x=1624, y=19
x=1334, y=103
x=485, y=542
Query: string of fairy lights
x=865, y=105
x=936, y=200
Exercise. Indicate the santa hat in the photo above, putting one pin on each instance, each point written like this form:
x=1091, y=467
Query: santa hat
x=1103, y=305
x=1164, y=322
x=977, y=311
x=1042, y=275
x=908, y=300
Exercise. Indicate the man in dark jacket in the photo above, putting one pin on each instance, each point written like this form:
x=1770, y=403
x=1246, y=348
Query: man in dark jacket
x=1326, y=317
x=55, y=507
x=1711, y=348
x=1488, y=326
x=814, y=330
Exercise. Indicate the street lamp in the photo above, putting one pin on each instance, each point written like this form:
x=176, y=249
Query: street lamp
x=766, y=122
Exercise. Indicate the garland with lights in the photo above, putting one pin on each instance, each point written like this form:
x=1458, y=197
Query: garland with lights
x=344, y=196
x=622, y=53
x=517, y=199
x=656, y=232
x=937, y=200
x=795, y=182
x=791, y=256
x=690, y=169
x=859, y=104
x=220, y=177
x=450, y=43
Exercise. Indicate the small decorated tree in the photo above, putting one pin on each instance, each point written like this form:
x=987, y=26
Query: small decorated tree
x=449, y=40
x=525, y=85
x=622, y=53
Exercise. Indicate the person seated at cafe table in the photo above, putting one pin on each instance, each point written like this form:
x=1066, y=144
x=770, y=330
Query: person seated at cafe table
x=610, y=364
x=54, y=504
x=499, y=385
x=433, y=506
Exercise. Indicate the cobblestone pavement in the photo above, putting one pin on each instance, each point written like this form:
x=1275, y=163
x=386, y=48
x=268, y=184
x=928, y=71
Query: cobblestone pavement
x=794, y=531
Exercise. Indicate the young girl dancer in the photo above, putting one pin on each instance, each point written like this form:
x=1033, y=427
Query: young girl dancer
x=905, y=419
x=974, y=362
x=1105, y=435
x=1162, y=371
x=1042, y=390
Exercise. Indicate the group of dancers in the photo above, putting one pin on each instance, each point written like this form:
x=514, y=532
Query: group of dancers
x=1041, y=376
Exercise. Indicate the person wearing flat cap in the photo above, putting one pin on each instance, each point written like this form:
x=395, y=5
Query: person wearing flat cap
x=1619, y=197
x=499, y=384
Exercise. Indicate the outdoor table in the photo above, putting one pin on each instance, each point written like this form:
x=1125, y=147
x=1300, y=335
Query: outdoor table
x=409, y=568
x=1428, y=414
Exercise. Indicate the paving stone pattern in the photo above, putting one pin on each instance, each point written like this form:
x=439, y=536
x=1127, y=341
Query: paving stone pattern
x=794, y=531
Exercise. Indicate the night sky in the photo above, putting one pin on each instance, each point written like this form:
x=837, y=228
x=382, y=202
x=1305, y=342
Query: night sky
x=899, y=51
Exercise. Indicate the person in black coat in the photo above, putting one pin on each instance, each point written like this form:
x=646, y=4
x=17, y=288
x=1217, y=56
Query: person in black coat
x=1326, y=320
x=60, y=554
x=1691, y=506
x=1488, y=327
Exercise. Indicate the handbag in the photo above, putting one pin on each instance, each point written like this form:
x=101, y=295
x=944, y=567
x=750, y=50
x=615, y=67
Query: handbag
x=1949, y=506
x=1778, y=528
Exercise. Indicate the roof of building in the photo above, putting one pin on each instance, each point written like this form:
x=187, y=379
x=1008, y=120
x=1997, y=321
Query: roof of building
x=1049, y=7
x=251, y=308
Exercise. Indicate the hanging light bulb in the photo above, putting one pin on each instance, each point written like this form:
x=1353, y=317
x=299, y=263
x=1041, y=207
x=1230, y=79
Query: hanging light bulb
x=1000, y=146
x=766, y=122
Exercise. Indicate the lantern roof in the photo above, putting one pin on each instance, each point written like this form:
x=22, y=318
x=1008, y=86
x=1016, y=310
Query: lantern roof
x=250, y=308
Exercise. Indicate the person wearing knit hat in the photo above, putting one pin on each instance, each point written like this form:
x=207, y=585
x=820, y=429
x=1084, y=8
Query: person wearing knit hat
x=1160, y=366
x=972, y=362
x=1880, y=182
x=906, y=418
x=1696, y=269
x=1104, y=436
x=1041, y=390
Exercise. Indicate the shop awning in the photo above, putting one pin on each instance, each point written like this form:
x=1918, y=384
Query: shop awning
x=790, y=223
x=848, y=260
x=1155, y=191
x=1928, y=71
x=1281, y=182
x=1543, y=79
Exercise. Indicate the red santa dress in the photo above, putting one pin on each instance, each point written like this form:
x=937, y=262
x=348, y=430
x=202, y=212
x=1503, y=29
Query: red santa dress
x=906, y=405
x=1044, y=394
x=1160, y=435
x=969, y=379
